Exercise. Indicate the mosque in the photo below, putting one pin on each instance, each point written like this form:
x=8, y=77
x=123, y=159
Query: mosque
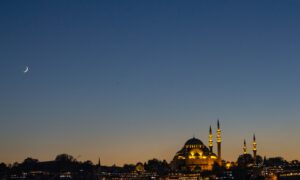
x=195, y=156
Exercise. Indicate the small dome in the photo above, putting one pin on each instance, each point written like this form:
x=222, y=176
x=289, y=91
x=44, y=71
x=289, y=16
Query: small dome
x=194, y=141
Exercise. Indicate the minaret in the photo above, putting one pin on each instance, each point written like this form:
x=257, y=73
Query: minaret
x=210, y=140
x=219, y=143
x=99, y=163
x=98, y=169
x=245, y=147
x=254, y=149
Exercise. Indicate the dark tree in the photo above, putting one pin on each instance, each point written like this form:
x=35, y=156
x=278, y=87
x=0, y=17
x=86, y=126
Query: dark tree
x=245, y=160
x=29, y=164
x=3, y=170
x=160, y=167
x=30, y=160
x=3, y=167
x=65, y=158
x=65, y=162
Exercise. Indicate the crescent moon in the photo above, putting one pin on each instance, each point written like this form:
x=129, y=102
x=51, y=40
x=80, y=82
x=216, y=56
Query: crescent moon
x=26, y=69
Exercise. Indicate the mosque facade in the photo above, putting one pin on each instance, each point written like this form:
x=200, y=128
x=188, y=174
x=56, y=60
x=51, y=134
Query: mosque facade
x=196, y=156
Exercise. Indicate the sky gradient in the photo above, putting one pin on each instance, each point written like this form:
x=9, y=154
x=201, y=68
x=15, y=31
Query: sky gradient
x=130, y=81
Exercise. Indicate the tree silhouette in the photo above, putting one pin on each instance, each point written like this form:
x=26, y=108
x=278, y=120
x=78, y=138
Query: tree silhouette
x=160, y=167
x=3, y=170
x=65, y=158
x=245, y=160
x=29, y=164
x=65, y=162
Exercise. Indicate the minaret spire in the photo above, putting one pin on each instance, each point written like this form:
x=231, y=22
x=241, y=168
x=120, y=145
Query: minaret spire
x=99, y=162
x=245, y=147
x=210, y=140
x=254, y=149
x=219, y=142
x=98, y=169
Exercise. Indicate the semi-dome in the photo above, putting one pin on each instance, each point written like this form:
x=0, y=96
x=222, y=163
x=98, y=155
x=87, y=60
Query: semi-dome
x=194, y=141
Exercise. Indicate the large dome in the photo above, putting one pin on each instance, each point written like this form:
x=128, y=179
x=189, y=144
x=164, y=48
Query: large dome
x=194, y=141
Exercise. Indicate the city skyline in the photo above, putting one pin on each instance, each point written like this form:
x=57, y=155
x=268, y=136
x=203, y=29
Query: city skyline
x=131, y=81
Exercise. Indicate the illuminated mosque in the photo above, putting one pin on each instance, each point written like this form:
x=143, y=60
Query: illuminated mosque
x=195, y=156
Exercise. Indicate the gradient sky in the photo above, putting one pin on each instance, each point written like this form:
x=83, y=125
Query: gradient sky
x=128, y=81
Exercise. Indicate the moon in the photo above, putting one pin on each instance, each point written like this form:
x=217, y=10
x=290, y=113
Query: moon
x=26, y=70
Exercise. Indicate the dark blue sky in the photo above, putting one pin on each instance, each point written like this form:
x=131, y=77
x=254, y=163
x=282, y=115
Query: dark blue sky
x=109, y=76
